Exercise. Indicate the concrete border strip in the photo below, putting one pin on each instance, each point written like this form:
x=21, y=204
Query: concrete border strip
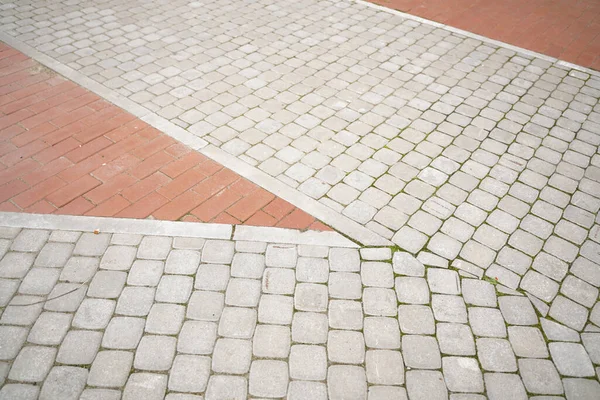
x=334, y=219
x=281, y=235
x=472, y=35
x=172, y=228
x=151, y=118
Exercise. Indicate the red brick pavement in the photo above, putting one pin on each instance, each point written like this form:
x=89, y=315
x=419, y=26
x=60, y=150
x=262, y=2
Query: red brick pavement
x=565, y=29
x=64, y=150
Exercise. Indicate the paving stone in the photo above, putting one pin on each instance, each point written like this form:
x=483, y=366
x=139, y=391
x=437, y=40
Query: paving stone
x=30, y=240
x=384, y=367
x=478, y=254
x=504, y=386
x=410, y=239
x=416, y=319
x=118, y=258
x=155, y=353
x=197, y=337
x=39, y=281
x=344, y=260
x=110, y=369
x=50, y=328
x=579, y=291
x=556, y=331
x=308, y=327
x=19, y=391
x=205, y=306
x=462, y=374
x=346, y=347
x=232, y=356
x=92, y=245
x=279, y=281
x=274, y=309
x=282, y=256
x=11, y=341
x=123, y=333
x=242, y=292
x=345, y=285
x=426, y=385
x=237, y=322
x=154, y=247
x=79, y=347
x=568, y=312
x=16, y=265
x=268, y=378
x=455, y=339
x=496, y=355
x=135, y=301
x=189, y=373
x=54, y=255
x=79, y=269
x=412, y=290
x=124, y=239
x=145, y=273
x=311, y=297
x=387, y=392
x=550, y=266
x=308, y=362
x=346, y=381
x=379, y=302
x=478, y=293
x=540, y=376
x=8, y=288
x=226, y=387
x=143, y=385
x=571, y=359
x=165, y=319
x=539, y=285
x=421, y=352
x=212, y=277
x=188, y=243
x=377, y=274
x=301, y=390
x=248, y=265
x=66, y=297
x=64, y=383
x=174, y=289
x=591, y=342
x=100, y=394
x=345, y=314
x=487, y=322
x=107, y=284
x=184, y=262
x=94, y=314
x=517, y=310
x=271, y=341
x=527, y=342
x=584, y=389
x=406, y=264
x=32, y=364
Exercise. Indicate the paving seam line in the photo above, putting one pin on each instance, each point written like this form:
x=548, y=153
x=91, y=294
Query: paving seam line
x=173, y=228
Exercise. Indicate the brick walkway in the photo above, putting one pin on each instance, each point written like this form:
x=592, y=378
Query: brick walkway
x=565, y=29
x=64, y=150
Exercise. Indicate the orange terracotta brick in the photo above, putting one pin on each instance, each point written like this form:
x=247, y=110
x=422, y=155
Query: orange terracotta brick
x=179, y=150
x=278, y=208
x=182, y=183
x=110, y=207
x=178, y=167
x=41, y=207
x=23, y=152
x=215, y=205
x=110, y=188
x=261, y=218
x=319, y=226
x=297, y=219
x=38, y=192
x=54, y=167
x=17, y=116
x=249, y=205
x=17, y=170
x=178, y=207
x=154, y=146
x=210, y=167
x=33, y=134
x=11, y=189
x=57, y=150
x=115, y=167
x=7, y=206
x=151, y=164
x=224, y=218
x=144, y=207
x=79, y=206
x=145, y=186
x=73, y=190
x=85, y=150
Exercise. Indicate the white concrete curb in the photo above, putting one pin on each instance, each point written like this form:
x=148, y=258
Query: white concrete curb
x=173, y=228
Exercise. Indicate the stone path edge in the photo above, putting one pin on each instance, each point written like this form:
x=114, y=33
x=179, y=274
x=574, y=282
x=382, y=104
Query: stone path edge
x=173, y=228
x=472, y=35
x=330, y=217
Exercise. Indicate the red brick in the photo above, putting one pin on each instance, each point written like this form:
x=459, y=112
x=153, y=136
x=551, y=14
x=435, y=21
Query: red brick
x=224, y=218
x=182, y=183
x=7, y=206
x=42, y=117
x=33, y=134
x=52, y=168
x=41, y=207
x=178, y=207
x=73, y=190
x=145, y=186
x=279, y=208
x=297, y=219
x=244, y=208
x=64, y=133
x=57, y=150
x=179, y=150
x=244, y=187
x=110, y=188
x=216, y=183
x=209, y=167
x=83, y=168
x=151, y=165
x=10, y=132
x=38, y=192
x=319, y=226
x=115, y=167
x=26, y=151
x=154, y=146
x=126, y=130
x=183, y=164
x=144, y=207
x=85, y=150
x=72, y=116
x=79, y=102
x=6, y=148
x=260, y=218
x=123, y=147
x=216, y=204
x=110, y=207
x=13, y=118
x=79, y=206
x=22, y=168
x=12, y=189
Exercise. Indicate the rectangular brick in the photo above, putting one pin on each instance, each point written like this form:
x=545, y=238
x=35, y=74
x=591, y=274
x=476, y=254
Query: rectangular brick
x=145, y=186
x=7, y=206
x=17, y=170
x=151, y=164
x=188, y=161
x=79, y=206
x=278, y=208
x=297, y=219
x=179, y=150
x=83, y=151
x=244, y=208
x=177, y=208
x=216, y=183
x=41, y=207
x=33, y=134
x=261, y=218
x=110, y=188
x=144, y=207
x=154, y=146
x=79, y=102
x=63, y=133
x=57, y=150
x=115, y=167
x=38, y=192
x=83, y=168
x=216, y=204
x=129, y=129
x=244, y=187
x=42, y=117
x=182, y=183
x=72, y=116
x=17, y=116
x=52, y=168
x=210, y=167
x=11, y=131
x=73, y=190
x=11, y=189
x=24, y=152
x=224, y=218
x=110, y=207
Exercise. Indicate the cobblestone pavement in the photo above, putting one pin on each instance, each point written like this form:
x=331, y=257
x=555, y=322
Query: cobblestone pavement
x=266, y=313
